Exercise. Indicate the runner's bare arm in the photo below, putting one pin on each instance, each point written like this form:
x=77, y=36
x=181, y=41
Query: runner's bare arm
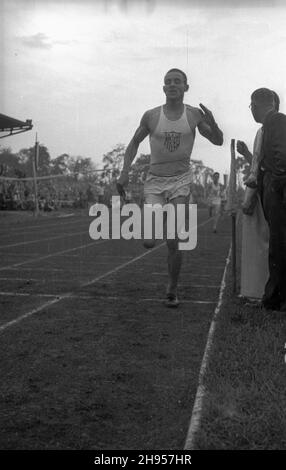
x=141, y=132
x=132, y=148
x=208, y=128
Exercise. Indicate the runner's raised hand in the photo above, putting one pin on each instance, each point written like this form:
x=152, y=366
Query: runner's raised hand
x=207, y=115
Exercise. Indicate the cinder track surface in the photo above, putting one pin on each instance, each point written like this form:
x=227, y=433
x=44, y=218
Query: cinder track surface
x=90, y=356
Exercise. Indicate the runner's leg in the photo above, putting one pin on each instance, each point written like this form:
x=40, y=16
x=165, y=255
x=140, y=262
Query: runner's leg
x=152, y=199
x=216, y=216
x=174, y=266
x=174, y=254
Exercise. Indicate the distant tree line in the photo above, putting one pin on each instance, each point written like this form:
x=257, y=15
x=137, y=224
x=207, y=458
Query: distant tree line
x=81, y=175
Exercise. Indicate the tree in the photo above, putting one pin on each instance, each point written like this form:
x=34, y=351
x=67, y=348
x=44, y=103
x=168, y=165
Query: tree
x=62, y=165
x=83, y=166
x=200, y=172
x=137, y=177
x=139, y=169
x=112, y=163
x=26, y=157
x=9, y=162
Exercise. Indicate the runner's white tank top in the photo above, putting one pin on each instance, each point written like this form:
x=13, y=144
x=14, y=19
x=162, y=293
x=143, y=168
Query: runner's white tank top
x=171, y=145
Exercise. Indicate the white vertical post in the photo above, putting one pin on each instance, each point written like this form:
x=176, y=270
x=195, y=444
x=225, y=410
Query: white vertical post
x=34, y=158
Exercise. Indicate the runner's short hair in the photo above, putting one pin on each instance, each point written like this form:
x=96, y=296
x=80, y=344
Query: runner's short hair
x=216, y=173
x=263, y=96
x=276, y=100
x=180, y=71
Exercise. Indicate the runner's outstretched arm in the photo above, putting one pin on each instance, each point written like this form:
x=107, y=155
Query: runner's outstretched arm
x=208, y=128
x=130, y=153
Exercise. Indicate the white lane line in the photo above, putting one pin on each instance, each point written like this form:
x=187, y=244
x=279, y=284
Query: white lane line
x=200, y=286
x=20, y=231
x=97, y=259
x=184, y=301
x=100, y=297
x=51, y=255
x=39, y=269
x=18, y=279
x=28, y=314
x=70, y=294
x=41, y=226
x=100, y=256
x=21, y=279
x=183, y=273
x=67, y=270
x=198, y=404
x=64, y=235
x=26, y=294
x=93, y=281
x=19, y=254
x=81, y=271
x=193, y=265
x=57, y=280
x=181, y=284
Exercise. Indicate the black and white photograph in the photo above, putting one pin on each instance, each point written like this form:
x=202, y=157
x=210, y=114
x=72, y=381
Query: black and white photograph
x=143, y=229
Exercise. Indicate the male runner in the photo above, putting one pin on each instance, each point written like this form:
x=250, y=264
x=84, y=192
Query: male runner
x=171, y=129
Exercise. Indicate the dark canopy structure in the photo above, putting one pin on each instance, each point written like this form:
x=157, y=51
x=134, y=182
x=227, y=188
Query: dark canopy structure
x=10, y=126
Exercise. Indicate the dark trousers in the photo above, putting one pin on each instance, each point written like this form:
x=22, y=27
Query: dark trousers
x=273, y=197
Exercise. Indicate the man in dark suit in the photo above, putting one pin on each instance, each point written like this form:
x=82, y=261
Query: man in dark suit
x=272, y=187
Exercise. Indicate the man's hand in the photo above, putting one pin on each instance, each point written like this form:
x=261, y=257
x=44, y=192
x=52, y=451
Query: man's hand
x=207, y=116
x=208, y=128
x=251, y=182
x=122, y=181
x=242, y=148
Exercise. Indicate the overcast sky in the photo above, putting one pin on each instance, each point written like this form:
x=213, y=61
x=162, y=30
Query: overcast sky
x=85, y=72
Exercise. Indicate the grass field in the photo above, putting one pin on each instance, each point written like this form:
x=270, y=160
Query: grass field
x=91, y=357
x=244, y=406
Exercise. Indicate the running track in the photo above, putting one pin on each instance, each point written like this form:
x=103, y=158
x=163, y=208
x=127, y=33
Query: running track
x=57, y=283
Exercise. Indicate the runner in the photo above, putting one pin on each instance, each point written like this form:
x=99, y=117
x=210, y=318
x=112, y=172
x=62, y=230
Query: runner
x=171, y=129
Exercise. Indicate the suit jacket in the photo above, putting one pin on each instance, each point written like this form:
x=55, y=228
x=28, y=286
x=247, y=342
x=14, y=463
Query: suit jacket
x=274, y=145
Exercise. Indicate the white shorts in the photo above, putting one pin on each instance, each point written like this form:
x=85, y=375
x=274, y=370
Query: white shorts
x=162, y=189
x=216, y=206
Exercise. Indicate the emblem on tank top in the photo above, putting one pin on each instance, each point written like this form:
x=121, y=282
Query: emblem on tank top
x=172, y=140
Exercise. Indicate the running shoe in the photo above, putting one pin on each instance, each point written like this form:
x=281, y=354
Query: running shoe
x=172, y=301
